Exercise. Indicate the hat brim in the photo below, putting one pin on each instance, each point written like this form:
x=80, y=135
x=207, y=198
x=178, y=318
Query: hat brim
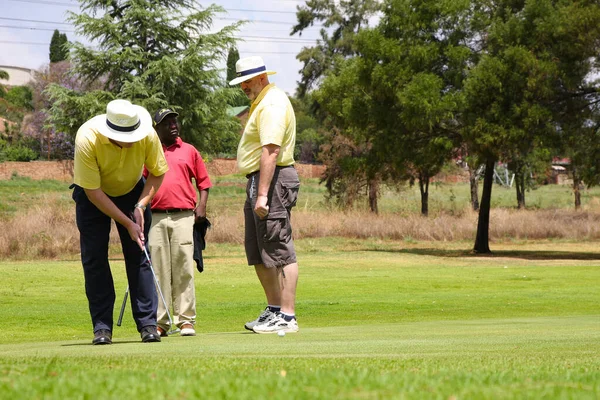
x=99, y=123
x=247, y=77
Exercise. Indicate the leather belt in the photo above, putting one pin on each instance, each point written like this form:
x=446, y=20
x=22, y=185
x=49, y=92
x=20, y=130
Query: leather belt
x=171, y=210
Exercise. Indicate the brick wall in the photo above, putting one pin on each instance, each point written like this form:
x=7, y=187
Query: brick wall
x=63, y=170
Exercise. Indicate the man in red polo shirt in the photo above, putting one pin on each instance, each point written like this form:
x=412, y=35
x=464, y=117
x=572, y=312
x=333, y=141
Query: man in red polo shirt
x=175, y=209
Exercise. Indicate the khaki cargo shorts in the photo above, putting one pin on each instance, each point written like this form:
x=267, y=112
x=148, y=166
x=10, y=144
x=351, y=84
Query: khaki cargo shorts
x=269, y=241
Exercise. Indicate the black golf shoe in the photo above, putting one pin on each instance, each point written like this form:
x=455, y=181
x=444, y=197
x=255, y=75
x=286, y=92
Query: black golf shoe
x=102, y=336
x=149, y=334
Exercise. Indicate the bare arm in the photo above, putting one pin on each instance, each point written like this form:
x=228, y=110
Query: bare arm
x=150, y=189
x=268, y=162
x=105, y=204
x=135, y=228
x=200, y=210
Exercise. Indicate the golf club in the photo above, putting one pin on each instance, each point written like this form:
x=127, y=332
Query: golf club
x=161, y=294
x=123, y=307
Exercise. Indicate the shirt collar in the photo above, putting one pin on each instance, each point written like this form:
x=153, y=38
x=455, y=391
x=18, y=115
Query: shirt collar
x=177, y=143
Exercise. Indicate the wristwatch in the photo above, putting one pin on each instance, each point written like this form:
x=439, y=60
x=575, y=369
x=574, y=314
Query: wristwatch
x=140, y=206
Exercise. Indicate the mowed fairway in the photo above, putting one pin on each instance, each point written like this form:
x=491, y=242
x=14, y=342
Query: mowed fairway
x=378, y=320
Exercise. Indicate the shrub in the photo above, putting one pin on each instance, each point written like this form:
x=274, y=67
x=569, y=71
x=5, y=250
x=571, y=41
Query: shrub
x=19, y=153
x=20, y=96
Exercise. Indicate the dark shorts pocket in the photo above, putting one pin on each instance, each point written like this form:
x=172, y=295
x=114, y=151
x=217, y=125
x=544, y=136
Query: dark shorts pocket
x=276, y=228
x=289, y=194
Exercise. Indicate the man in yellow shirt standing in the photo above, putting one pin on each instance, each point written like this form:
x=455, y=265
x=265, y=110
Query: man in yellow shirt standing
x=110, y=152
x=266, y=156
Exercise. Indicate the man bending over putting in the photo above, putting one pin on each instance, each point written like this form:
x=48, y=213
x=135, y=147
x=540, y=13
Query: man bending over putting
x=110, y=152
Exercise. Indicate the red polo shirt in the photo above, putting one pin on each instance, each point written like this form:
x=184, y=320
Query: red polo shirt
x=177, y=190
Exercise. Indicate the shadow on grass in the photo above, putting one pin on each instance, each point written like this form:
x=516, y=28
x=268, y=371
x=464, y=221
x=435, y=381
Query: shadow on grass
x=112, y=344
x=523, y=254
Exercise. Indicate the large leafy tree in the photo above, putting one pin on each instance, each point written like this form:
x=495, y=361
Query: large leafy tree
x=341, y=21
x=536, y=57
x=157, y=54
x=401, y=92
x=59, y=50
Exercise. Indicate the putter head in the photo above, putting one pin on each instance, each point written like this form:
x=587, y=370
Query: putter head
x=174, y=331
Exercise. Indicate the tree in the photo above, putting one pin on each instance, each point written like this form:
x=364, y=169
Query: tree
x=580, y=134
x=401, y=92
x=535, y=58
x=346, y=18
x=156, y=54
x=232, y=57
x=240, y=99
x=59, y=50
x=309, y=133
x=53, y=144
x=529, y=170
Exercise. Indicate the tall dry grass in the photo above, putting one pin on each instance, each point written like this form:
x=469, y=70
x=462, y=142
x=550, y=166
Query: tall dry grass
x=49, y=231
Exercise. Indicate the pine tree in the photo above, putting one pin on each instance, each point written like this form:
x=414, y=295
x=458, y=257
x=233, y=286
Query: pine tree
x=232, y=57
x=58, y=49
x=239, y=99
x=156, y=54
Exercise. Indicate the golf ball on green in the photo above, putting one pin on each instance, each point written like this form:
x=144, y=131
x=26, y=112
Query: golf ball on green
x=281, y=333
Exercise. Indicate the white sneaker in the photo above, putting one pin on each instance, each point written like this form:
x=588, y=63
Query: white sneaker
x=276, y=324
x=187, y=330
x=265, y=316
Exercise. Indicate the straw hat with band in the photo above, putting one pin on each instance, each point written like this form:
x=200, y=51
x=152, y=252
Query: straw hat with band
x=123, y=122
x=249, y=67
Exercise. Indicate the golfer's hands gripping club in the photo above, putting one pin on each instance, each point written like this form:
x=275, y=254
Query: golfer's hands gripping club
x=136, y=229
x=261, y=208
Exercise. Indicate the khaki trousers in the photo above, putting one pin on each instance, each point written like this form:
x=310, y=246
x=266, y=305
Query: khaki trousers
x=171, y=243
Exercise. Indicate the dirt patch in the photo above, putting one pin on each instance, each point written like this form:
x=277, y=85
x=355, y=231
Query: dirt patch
x=58, y=170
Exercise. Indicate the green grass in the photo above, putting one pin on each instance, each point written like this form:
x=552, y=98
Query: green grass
x=379, y=320
x=19, y=193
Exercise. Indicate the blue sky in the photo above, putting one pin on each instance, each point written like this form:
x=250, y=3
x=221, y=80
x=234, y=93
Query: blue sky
x=26, y=27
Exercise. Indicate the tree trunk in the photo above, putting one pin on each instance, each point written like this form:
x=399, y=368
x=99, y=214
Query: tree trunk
x=520, y=186
x=373, y=194
x=474, y=182
x=424, y=188
x=482, y=239
x=576, y=184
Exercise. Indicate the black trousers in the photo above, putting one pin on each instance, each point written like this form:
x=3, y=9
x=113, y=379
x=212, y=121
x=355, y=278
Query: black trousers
x=94, y=231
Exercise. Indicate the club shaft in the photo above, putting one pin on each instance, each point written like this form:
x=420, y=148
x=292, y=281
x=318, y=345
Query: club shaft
x=123, y=307
x=158, y=286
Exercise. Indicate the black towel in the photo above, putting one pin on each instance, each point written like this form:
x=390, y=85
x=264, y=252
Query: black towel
x=200, y=229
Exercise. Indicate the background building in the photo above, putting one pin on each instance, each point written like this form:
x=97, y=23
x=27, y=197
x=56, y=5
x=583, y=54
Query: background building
x=18, y=76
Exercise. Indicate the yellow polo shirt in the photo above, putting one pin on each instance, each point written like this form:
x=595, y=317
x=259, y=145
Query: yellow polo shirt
x=115, y=170
x=271, y=121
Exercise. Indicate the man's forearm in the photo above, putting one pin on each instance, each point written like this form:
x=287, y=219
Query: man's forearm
x=202, y=202
x=106, y=205
x=150, y=189
x=268, y=162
